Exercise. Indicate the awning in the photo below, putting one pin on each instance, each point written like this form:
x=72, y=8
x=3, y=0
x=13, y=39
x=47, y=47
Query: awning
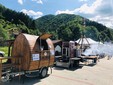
x=45, y=36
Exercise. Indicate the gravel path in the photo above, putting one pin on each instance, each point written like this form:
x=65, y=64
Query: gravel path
x=99, y=74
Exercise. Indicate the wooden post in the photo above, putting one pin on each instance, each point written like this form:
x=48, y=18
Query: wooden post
x=0, y=69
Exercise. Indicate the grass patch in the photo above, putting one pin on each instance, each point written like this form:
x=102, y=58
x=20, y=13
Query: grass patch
x=4, y=49
x=3, y=61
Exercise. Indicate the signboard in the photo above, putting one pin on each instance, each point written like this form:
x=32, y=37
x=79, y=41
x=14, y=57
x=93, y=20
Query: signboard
x=35, y=57
x=52, y=52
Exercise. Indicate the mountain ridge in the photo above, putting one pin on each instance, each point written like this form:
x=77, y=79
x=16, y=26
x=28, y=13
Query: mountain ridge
x=63, y=26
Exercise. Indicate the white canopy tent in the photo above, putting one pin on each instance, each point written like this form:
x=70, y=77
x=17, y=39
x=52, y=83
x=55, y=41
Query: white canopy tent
x=86, y=41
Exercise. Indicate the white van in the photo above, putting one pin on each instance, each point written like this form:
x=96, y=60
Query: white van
x=2, y=54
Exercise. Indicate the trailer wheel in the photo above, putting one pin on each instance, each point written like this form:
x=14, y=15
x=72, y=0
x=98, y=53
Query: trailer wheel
x=43, y=72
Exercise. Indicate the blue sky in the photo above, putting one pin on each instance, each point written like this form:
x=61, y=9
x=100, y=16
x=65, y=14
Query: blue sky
x=96, y=10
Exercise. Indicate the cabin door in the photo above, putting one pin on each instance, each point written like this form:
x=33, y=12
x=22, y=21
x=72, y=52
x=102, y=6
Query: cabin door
x=44, y=50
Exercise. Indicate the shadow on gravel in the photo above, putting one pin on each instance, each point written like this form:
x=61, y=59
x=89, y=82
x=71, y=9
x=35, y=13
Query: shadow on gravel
x=65, y=68
x=91, y=65
x=25, y=81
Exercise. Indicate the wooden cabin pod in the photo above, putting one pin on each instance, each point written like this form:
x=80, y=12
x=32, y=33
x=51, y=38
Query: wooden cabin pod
x=31, y=52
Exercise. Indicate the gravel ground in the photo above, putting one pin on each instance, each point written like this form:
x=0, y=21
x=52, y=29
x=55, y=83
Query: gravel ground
x=99, y=74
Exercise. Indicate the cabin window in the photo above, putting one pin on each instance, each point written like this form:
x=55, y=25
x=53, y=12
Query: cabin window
x=43, y=45
x=58, y=50
x=65, y=51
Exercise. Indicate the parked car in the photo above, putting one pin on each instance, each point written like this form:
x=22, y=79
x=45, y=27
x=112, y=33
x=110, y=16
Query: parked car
x=2, y=54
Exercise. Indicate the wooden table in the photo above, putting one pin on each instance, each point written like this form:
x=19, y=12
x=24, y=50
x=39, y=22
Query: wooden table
x=90, y=58
x=74, y=60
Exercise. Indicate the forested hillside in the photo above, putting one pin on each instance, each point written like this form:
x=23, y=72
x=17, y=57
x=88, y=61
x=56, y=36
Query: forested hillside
x=11, y=21
x=70, y=27
x=63, y=26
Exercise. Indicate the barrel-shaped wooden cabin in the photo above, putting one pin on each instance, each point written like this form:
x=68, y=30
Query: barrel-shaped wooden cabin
x=30, y=52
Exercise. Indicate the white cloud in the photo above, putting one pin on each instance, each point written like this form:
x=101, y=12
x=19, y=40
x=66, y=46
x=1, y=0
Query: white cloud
x=104, y=13
x=89, y=9
x=100, y=11
x=20, y=2
x=32, y=13
x=85, y=9
x=105, y=20
x=38, y=1
x=66, y=12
